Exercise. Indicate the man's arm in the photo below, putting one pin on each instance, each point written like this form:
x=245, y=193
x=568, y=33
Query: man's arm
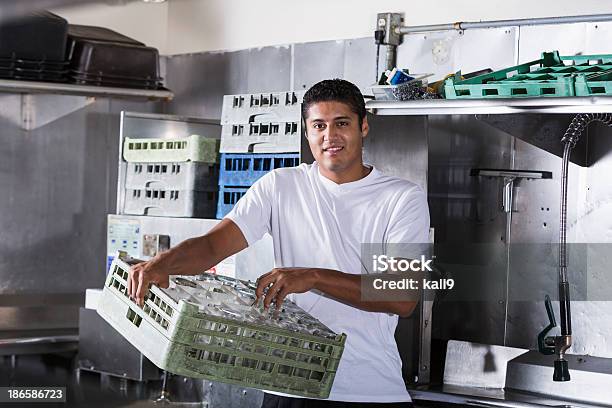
x=344, y=287
x=191, y=257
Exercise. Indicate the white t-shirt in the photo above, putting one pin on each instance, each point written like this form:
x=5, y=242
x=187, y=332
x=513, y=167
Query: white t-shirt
x=315, y=222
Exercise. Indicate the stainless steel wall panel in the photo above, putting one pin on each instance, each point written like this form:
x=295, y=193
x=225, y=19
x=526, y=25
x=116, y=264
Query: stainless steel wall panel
x=593, y=218
x=360, y=62
x=568, y=39
x=398, y=147
x=416, y=53
x=486, y=48
x=463, y=206
x=199, y=81
x=443, y=53
x=268, y=70
x=58, y=185
x=465, y=209
x=538, y=201
x=314, y=62
x=598, y=37
x=535, y=221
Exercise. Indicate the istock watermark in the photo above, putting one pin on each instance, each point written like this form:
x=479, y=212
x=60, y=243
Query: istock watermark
x=393, y=283
x=384, y=263
x=391, y=278
x=497, y=272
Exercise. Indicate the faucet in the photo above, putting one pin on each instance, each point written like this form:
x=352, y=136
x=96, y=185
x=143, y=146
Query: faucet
x=558, y=345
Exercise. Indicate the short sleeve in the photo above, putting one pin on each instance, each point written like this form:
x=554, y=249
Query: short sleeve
x=408, y=232
x=253, y=212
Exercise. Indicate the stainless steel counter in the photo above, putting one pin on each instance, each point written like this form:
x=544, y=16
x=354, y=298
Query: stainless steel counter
x=484, y=397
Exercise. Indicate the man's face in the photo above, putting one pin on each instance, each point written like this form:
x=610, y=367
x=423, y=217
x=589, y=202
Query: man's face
x=335, y=137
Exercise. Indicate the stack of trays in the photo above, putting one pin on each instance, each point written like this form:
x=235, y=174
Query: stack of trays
x=240, y=170
x=33, y=48
x=102, y=57
x=205, y=327
x=550, y=76
x=261, y=123
x=171, y=177
x=261, y=132
x=32, y=70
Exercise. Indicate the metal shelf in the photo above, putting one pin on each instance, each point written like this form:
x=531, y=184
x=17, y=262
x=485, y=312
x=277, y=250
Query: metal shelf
x=31, y=87
x=542, y=123
x=594, y=104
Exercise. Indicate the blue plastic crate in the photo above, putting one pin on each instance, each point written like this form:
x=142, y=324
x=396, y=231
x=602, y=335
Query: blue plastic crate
x=244, y=169
x=228, y=196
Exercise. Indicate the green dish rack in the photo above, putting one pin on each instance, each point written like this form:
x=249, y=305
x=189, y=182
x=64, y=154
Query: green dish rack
x=194, y=148
x=548, y=76
x=179, y=331
x=595, y=84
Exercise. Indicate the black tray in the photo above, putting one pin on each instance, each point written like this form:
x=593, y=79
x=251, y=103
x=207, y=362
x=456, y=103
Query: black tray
x=33, y=64
x=155, y=86
x=112, y=78
x=92, y=33
x=34, y=69
x=101, y=58
x=36, y=36
x=33, y=76
x=115, y=83
x=84, y=32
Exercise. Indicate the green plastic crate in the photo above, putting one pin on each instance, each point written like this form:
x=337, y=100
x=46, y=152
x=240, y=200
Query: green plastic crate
x=194, y=148
x=594, y=85
x=548, y=76
x=179, y=337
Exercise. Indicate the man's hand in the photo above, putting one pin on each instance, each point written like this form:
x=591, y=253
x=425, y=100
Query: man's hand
x=344, y=287
x=283, y=281
x=144, y=274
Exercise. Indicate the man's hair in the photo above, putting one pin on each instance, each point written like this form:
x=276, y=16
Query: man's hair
x=336, y=90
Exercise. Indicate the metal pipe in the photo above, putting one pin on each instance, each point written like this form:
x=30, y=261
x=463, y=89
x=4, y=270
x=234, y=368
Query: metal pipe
x=391, y=57
x=428, y=28
x=505, y=23
x=564, y=299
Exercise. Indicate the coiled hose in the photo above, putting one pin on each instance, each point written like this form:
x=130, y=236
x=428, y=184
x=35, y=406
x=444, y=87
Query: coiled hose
x=570, y=138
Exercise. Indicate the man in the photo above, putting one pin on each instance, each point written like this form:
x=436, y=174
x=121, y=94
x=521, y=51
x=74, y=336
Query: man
x=318, y=216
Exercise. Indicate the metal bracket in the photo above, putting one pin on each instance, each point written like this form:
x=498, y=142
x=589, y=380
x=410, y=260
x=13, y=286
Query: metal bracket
x=30, y=111
x=387, y=33
x=510, y=176
x=389, y=23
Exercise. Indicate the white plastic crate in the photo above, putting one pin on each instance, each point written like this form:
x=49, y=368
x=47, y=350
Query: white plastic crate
x=270, y=106
x=262, y=137
x=194, y=148
x=172, y=176
x=207, y=328
x=170, y=203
